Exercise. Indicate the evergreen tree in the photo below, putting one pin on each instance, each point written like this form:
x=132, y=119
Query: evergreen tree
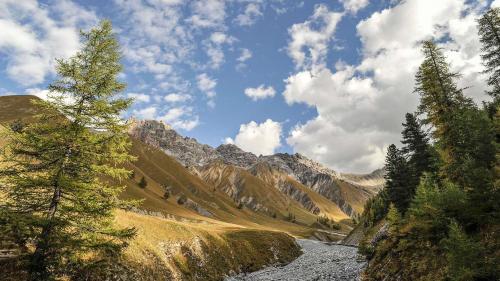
x=143, y=183
x=398, y=179
x=489, y=35
x=56, y=204
x=462, y=132
x=416, y=146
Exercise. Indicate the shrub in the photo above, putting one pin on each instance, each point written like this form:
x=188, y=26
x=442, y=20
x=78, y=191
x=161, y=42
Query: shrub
x=143, y=183
x=181, y=199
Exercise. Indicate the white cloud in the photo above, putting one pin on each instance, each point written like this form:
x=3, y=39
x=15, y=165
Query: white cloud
x=361, y=107
x=354, y=5
x=147, y=113
x=207, y=13
x=250, y=15
x=263, y=138
x=42, y=94
x=139, y=97
x=173, y=98
x=214, y=48
x=207, y=86
x=495, y=4
x=308, y=46
x=205, y=83
x=260, y=92
x=246, y=54
x=180, y=118
x=31, y=39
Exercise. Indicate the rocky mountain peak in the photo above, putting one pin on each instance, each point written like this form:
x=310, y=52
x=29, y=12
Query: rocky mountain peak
x=234, y=155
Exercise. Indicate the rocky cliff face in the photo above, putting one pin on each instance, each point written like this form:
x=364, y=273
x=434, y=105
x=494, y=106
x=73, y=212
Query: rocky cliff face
x=188, y=151
x=233, y=155
x=319, y=178
x=284, y=184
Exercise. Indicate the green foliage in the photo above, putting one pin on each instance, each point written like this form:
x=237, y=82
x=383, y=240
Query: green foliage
x=489, y=35
x=394, y=218
x=463, y=254
x=449, y=230
x=57, y=207
x=143, y=183
x=17, y=126
x=375, y=209
x=398, y=177
x=323, y=220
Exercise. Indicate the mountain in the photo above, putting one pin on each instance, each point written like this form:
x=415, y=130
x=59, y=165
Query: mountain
x=200, y=201
x=347, y=191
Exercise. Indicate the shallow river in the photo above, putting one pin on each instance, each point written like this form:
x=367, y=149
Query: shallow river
x=320, y=261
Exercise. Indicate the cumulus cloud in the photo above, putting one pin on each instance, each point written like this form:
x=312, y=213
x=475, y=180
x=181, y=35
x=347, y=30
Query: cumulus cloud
x=263, y=138
x=308, y=45
x=354, y=5
x=178, y=117
x=250, y=16
x=148, y=113
x=173, y=98
x=260, y=92
x=361, y=107
x=31, y=39
x=207, y=13
x=139, y=97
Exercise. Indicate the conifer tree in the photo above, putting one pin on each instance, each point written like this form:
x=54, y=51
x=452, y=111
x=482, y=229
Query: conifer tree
x=489, y=35
x=398, y=179
x=462, y=133
x=416, y=146
x=56, y=201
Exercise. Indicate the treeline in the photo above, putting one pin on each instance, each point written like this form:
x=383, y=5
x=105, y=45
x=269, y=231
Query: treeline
x=438, y=216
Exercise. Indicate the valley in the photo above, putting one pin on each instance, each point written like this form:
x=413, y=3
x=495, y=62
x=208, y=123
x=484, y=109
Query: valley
x=199, y=201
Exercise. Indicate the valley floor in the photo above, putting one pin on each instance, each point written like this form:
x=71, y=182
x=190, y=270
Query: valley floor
x=320, y=261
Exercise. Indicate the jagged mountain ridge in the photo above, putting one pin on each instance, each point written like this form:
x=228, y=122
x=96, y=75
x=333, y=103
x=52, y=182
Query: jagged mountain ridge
x=348, y=191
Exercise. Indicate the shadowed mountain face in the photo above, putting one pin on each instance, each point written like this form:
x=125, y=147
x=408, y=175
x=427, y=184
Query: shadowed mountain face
x=347, y=191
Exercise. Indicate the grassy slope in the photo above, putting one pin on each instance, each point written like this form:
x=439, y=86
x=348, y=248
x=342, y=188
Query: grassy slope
x=242, y=237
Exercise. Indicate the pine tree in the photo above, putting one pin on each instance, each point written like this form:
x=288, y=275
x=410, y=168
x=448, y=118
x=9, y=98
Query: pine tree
x=489, y=35
x=398, y=179
x=57, y=205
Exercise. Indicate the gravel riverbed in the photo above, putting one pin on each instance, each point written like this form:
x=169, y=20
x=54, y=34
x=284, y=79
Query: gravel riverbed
x=320, y=261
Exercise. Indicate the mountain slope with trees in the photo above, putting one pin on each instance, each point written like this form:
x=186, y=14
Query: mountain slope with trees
x=437, y=217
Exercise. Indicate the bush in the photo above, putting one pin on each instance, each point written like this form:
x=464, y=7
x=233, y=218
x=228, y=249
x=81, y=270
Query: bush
x=143, y=183
x=463, y=254
x=181, y=199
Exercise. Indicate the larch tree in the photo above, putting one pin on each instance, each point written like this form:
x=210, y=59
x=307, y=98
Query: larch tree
x=462, y=132
x=59, y=172
x=489, y=35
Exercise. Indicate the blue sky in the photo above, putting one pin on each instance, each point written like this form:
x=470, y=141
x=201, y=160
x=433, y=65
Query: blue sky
x=329, y=79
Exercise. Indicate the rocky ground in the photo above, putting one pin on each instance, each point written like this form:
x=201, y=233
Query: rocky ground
x=320, y=261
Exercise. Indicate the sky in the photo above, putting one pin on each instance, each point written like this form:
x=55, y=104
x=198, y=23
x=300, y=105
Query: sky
x=329, y=79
